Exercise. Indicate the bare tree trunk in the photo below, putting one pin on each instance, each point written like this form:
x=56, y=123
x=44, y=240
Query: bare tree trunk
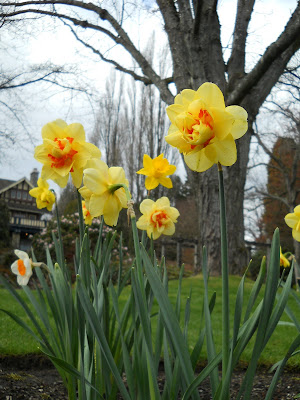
x=209, y=217
x=235, y=178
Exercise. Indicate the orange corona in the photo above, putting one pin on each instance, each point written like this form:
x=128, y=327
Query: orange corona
x=21, y=267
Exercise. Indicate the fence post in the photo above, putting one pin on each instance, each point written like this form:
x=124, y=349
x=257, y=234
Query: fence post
x=196, y=257
x=179, y=255
x=163, y=250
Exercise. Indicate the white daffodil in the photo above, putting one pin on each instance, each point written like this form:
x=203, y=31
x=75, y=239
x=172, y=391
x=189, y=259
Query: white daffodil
x=23, y=267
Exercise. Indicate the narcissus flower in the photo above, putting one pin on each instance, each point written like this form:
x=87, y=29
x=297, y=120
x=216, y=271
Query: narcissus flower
x=100, y=192
x=86, y=214
x=203, y=129
x=44, y=197
x=157, y=170
x=64, y=150
x=22, y=267
x=293, y=221
x=158, y=217
x=284, y=262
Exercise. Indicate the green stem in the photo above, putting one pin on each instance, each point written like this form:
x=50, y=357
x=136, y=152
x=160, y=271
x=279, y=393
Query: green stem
x=225, y=285
x=61, y=247
x=81, y=221
x=135, y=234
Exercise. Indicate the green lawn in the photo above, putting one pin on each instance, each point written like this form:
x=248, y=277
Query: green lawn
x=14, y=340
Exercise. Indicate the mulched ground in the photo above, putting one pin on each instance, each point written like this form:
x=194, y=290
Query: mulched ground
x=34, y=378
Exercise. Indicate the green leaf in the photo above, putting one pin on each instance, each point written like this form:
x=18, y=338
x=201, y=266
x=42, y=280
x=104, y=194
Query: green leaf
x=170, y=320
x=211, y=351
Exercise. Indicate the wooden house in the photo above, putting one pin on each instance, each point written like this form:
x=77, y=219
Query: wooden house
x=25, y=217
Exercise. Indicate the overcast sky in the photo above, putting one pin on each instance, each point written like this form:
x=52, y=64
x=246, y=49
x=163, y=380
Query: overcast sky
x=269, y=19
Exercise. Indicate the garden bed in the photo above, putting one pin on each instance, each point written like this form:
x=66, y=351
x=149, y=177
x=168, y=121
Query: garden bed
x=32, y=377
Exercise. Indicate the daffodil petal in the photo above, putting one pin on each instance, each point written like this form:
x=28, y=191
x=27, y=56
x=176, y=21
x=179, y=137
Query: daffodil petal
x=223, y=123
x=166, y=182
x=163, y=202
x=297, y=210
x=151, y=182
x=96, y=204
x=169, y=229
x=240, y=124
x=175, y=139
x=85, y=192
x=75, y=131
x=173, y=111
x=117, y=175
x=121, y=195
x=21, y=254
x=211, y=95
x=226, y=151
x=77, y=177
x=146, y=206
x=198, y=161
x=291, y=220
x=142, y=223
x=296, y=235
x=96, y=180
x=54, y=129
x=111, y=211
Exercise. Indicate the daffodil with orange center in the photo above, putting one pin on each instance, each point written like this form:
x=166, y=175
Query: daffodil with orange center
x=86, y=214
x=101, y=192
x=23, y=267
x=157, y=171
x=293, y=221
x=158, y=217
x=203, y=129
x=45, y=198
x=64, y=151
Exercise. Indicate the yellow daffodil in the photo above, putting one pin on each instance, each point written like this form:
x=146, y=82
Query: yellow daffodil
x=293, y=221
x=86, y=214
x=158, y=217
x=203, y=129
x=284, y=262
x=64, y=150
x=100, y=192
x=44, y=197
x=22, y=267
x=157, y=170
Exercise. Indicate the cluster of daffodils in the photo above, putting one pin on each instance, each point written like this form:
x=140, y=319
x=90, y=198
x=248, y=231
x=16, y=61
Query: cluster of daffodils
x=202, y=128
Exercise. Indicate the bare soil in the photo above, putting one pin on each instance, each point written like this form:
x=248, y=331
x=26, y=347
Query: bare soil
x=33, y=377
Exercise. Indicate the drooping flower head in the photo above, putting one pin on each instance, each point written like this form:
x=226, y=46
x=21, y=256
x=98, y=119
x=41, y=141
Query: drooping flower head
x=86, y=214
x=293, y=221
x=158, y=217
x=284, y=262
x=100, y=193
x=203, y=129
x=64, y=150
x=157, y=170
x=45, y=198
x=22, y=267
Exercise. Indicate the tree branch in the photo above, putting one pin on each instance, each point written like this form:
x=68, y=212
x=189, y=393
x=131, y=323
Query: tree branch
x=290, y=38
x=274, y=197
x=236, y=62
x=122, y=38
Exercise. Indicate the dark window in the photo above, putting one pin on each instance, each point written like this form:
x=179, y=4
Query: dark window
x=18, y=194
x=13, y=194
